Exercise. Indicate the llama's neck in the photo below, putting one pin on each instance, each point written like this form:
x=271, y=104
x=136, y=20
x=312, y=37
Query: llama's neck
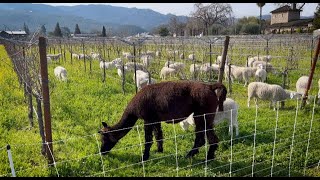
x=126, y=123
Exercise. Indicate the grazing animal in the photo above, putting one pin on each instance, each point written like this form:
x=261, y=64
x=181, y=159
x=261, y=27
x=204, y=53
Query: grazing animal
x=165, y=72
x=166, y=101
x=271, y=92
x=61, y=73
x=230, y=114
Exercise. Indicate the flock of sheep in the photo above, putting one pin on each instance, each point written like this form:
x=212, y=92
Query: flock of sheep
x=257, y=68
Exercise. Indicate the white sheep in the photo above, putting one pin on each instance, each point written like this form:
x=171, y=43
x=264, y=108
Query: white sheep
x=251, y=60
x=95, y=55
x=54, y=57
x=266, y=65
x=168, y=63
x=179, y=67
x=61, y=73
x=219, y=59
x=129, y=66
x=194, y=69
x=165, y=72
x=241, y=73
x=301, y=84
x=270, y=92
x=229, y=105
x=181, y=56
x=143, y=79
x=82, y=56
x=74, y=55
x=192, y=57
x=146, y=60
x=261, y=74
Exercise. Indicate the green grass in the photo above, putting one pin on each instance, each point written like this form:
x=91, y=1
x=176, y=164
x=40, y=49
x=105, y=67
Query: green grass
x=79, y=105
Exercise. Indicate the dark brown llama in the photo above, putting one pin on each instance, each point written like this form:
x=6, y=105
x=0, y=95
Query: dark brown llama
x=165, y=101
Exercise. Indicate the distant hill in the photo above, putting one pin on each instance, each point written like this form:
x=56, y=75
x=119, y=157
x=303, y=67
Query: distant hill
x=90, y=18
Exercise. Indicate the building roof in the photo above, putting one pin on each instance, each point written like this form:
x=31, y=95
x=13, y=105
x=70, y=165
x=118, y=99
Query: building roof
x=284, y=9
x=299, y=22
x=15, y=32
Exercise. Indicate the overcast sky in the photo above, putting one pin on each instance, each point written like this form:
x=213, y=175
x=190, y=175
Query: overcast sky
x=239, y=9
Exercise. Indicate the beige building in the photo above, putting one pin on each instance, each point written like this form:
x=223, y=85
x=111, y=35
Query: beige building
x=286, y=19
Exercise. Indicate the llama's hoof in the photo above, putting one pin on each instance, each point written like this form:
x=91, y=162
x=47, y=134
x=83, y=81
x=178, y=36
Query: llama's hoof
x=145, y=157
x=160, y=150
x=210, y=157
x=192, y=153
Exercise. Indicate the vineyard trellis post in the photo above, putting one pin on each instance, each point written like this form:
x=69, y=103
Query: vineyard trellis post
x=315, y=58
x=45, y=97
x=284, y=77
x=223, y=61
x=84, y=55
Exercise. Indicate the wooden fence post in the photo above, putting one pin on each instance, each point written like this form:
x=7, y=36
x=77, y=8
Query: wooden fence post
x=315, y=58
x=223, y=61
x=46, y=97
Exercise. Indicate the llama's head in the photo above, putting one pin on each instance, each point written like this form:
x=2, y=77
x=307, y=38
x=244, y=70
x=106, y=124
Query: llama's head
x=221, y=93
x=107, y=139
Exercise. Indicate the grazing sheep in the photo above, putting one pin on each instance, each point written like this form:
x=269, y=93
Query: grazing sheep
x=265, y=65
x=158, y=53
x=301, y=86
x=129, y=66
x=54, y=57
x=241, y=73
x=219, y=59
x=165, y=72
x=179, y=67
x=95, y=55
x=142, y=79
x=261, y=74
x=168, y=63
x=169, y=101
x=119, y=70
x=82, y=56
x=228, y=106
x=251, y=60
x=61, y=73
x=194, y=70
x=271, y=92
x=206, y=68
x=77, y=56
x=181, y=56
x=302, y=83
x=192, y=56
x=146, y=60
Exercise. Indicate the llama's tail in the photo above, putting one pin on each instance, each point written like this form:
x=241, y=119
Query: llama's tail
x=221, y=92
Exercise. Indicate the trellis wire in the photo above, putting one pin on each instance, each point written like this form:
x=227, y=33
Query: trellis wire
x=54, y=162
x=275, y=137
x=176, y=147
x=311, y=121
x=102, y=164
x=293, y=133
x=144, y=173
x=254, y=139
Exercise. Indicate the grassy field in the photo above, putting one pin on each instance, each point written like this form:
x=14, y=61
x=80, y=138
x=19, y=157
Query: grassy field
x=79, y=105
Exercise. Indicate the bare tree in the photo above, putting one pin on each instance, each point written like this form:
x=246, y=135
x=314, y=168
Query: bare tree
x=214, y=13
x=176, y=26
x=260, y=5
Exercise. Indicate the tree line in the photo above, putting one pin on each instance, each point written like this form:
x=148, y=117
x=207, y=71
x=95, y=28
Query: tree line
x=206, y=19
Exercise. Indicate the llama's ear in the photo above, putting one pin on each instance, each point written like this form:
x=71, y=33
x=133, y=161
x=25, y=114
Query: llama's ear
x=104, y=124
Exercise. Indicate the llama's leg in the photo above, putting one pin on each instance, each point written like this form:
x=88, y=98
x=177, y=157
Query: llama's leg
x=159, y=137
x=198, y=142
x=213, y=142
x=148, y=141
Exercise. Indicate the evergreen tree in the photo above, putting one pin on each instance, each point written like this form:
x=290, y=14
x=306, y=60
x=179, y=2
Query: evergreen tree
x=26, y=29
x=43, y=30
x=57, y=31
x=104, y=34
x=163, y=31
x=77, y=29
x=316, y=20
